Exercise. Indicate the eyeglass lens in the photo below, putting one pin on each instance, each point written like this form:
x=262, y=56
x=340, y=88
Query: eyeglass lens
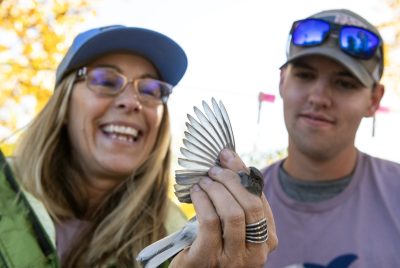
x=108, y=81
x=356, y=41
x=310, y=32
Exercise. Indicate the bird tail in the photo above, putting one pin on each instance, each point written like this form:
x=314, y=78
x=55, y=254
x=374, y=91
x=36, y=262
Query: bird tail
x=155, y=254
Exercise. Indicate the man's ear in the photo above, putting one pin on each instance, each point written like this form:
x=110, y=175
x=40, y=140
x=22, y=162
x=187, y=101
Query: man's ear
x=282, y=79
x=376, y=97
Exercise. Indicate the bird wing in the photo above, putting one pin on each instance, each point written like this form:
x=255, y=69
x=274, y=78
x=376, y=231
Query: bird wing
x=206, y=136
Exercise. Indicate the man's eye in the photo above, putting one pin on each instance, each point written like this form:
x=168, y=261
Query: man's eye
x=346, y=84
x=304, y=75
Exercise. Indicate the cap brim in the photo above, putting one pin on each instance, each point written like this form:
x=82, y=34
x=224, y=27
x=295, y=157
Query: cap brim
x=165, y=54
x=333, y=53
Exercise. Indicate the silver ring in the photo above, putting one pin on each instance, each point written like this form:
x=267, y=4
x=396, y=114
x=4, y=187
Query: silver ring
x=257, y=232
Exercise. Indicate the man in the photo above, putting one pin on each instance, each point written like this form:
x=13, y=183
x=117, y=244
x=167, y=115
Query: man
x=333, y=205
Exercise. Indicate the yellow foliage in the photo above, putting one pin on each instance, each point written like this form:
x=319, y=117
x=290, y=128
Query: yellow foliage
x=391, y=49
x=3, y=48
x=41, y=30
x=188, y=209
x=7, y=148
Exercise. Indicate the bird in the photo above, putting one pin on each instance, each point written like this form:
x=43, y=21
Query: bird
x=205, y=138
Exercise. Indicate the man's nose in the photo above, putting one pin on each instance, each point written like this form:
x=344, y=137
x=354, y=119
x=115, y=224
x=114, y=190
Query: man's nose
x=320, y=94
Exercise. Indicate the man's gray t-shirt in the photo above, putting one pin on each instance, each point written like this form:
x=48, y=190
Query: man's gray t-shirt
x=357, y=228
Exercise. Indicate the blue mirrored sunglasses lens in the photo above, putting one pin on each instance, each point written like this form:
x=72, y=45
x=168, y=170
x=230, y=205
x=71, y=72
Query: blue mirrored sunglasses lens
x=310, y=32
x=358, y=42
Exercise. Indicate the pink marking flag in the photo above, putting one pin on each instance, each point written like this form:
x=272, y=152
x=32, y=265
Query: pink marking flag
x=384, y=109
x=261, y=98
x=266, y=97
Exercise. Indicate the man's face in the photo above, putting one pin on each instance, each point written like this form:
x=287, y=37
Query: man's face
x=323, y=106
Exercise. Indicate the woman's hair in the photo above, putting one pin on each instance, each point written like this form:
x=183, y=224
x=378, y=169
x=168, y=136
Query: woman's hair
x=129, y=218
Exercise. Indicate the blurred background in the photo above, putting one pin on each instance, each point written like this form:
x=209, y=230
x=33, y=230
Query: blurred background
x=235, y=49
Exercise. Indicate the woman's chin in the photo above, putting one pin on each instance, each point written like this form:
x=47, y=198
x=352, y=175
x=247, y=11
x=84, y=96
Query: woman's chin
x=119, y=169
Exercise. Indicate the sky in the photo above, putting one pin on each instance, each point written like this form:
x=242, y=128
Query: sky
x=235, y=49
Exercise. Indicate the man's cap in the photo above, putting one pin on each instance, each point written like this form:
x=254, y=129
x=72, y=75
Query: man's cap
x=368, y=72
x=166, y=55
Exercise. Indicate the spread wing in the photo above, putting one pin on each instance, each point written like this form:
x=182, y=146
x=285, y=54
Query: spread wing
x=204, y=139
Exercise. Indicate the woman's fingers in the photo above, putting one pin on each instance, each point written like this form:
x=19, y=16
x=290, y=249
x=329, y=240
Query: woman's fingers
x=232, y=161
x=231, y=214
x=251, y=203
x=208, y=244
x=254, y=208
x=224, y=208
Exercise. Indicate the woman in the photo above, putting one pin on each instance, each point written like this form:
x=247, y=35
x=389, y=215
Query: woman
x=98, y=159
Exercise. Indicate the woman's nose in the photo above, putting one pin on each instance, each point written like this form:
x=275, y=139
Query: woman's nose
x=129, y=98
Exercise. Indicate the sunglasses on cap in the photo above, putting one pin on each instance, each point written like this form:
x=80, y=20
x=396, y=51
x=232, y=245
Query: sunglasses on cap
x=355, y=41
x=107, y=81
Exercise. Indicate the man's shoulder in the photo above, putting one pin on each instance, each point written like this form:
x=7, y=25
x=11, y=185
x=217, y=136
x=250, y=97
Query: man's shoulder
x=380, y=162
x=377, y=167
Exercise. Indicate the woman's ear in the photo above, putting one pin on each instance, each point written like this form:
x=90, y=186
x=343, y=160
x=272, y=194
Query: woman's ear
x=376, y=97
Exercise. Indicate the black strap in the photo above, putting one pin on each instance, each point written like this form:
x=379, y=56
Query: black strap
x=41, y=235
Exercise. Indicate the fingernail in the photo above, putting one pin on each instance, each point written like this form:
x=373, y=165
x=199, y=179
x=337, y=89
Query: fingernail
x=215, y=171
x=195, y=188
x=227, y=154
x=205, y=181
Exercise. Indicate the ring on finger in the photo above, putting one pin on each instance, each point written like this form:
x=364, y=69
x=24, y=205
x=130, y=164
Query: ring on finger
x=257, y=232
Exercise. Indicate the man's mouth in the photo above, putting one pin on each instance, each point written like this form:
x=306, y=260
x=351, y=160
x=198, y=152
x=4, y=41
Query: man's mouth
x=318, y=118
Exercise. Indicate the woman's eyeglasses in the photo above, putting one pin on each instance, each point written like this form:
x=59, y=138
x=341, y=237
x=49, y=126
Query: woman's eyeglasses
x=355, y=41
x=109, y=82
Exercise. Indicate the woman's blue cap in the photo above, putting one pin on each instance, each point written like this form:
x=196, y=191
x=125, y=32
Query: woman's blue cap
x=166, y=55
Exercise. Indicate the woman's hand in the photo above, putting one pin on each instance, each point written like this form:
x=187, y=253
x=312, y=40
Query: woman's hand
x=224, y=208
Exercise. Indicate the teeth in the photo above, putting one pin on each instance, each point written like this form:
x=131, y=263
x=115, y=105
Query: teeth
x=116, y=129
x=122, y=138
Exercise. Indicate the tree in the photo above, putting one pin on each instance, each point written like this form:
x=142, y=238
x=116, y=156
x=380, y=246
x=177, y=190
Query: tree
x=35, y=36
